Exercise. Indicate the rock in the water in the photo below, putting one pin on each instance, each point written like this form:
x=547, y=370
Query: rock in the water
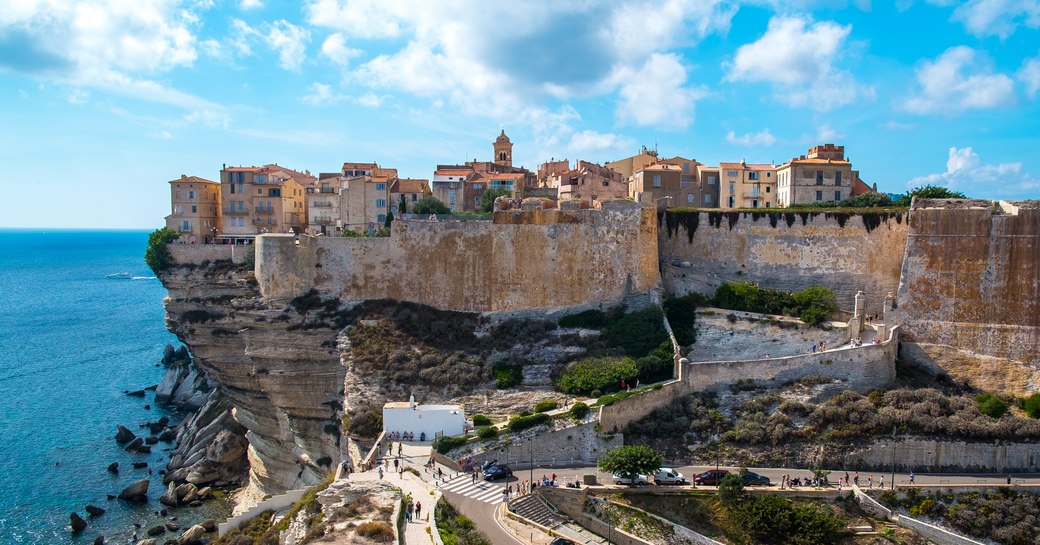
x=95, y=511
x=151, y=440
x=140, y=465
x=134, y=445
x=113, y=467
x=170, y=496
x=158, y=425
x=143, y=449
x=187, y=493
x=136, y=393
x=192, y=535
x=147, y=407
x=167, y=435
x=168, y=353
x=110, y=497
x=156, y=530
x=209, y=525
x=204, y=492
x=77, y=523
x=173, y=526
x=123, y=435
x=137, y=491
x=99, y=540
x=149, y=541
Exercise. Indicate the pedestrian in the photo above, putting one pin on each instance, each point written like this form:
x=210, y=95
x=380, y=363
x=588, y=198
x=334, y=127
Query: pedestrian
x=554, y=476
x=396, y=463
x=814, y=348
x=400, y=472
x=408, y=512
x=386, y=463
x=418, y=510
x=881, y=482
x=846, y=478
x=870, y=481
x=911, y=477
x=622, y=384
x=400, y=448
x=440, y=473
x=380, y=473
x=1009, y=480
x=505, y=496
x=637, y=383
x=856, y=479
x=473, y=477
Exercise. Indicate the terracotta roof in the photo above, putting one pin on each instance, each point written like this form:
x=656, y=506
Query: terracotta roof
x=354, y=166
x=193, y=180
x=748, y=166
x=242, y=169
x=410, y=185
x=459, y=172
x=818, y=162
x=301, y=177
x=660, y=166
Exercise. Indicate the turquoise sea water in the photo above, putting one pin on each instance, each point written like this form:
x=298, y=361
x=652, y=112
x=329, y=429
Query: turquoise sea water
x=71, y=341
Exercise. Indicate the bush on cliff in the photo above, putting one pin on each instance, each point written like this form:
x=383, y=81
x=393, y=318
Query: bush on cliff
x=507, y=376
x=1031, y=405
x=682, y=315
x=545, y=405
x=812, y=305
x=156, y=255
x=604, y=374
x=637, y=333
x=520, y=423
x=430, y=205
x=446, y=443
x=991, y=405
x=487, y=433
x=767, y=518
x=928, y=192
x=588, y=319
x=579, y=411
x=481, y=420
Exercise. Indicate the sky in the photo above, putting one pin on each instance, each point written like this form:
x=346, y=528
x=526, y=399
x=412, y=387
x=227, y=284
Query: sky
x=104, y=102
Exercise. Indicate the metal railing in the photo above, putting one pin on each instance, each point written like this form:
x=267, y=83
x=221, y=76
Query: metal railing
x=321, y=204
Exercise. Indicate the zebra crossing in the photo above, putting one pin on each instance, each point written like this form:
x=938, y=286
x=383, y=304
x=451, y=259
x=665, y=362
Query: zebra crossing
x=481, y=490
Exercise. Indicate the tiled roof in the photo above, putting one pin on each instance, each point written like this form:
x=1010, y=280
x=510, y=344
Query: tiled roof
x=301, y=177
x=242, y=169
x=410, y=185
x=818, y=162
x=194, y=180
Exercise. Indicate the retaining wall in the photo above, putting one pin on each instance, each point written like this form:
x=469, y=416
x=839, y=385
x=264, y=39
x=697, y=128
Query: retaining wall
x=274, y=503
x=195, y=254
x=948, y=456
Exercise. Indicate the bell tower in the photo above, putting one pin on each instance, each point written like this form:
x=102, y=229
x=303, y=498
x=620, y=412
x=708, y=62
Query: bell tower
x=503, y=150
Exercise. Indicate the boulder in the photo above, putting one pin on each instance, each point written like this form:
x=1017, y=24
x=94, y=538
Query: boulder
x=140, y=465
x=144, y=449
x=149, y=541
x=168, y=354
x=113, y=467
x=151, y=440
x=137, y=491
x=177, y=475
x=187, y=493
x=99, y=540
x=95, y=511
x=77, y=523
x=192, y=535
x=173, y=526
x=158, y=425
x=167, y=435
x=123, y=435
x=209, y=524
x=203, y=473
x=134, y=445
x=204, y=492
x=135, y=393
x=170, y=496
x=156, y=530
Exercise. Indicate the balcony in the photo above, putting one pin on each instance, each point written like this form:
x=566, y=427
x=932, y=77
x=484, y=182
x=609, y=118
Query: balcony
x=236, y=212
x=321, y=204
x=328, y=190
x=263, y=221
x=322, y=220
x=184, y=229
x=262, y=210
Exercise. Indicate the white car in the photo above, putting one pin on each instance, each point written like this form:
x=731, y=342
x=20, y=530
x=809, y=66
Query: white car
x=667, y=475
x=638, y=480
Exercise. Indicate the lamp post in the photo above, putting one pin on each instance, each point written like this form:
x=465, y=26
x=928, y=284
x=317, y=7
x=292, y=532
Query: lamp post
x=893, y=483
x=718, y=448
x=530, y=468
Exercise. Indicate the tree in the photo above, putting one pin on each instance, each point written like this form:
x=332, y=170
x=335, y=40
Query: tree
x=487, y=202
x=389, y=219
x=929, y=192
x=1031, y=405
x=402, y=208
x=430, y=205
x=631, y=460
x=867, y=200
x=156, y=255
x=731, y=489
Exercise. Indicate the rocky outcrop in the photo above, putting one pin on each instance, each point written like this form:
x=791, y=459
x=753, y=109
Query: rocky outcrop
x=183, y=385
x=211, y=448
x=77, y=523
x=124, y=435
x=136, y=491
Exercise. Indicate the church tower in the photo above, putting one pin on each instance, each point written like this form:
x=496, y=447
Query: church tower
x=503, y=150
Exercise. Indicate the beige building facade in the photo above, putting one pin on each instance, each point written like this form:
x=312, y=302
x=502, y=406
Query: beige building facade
x=323, y=214
x=195, y=209
x=745, y=185
x=408, y=191
x=658, y=185
x=263, y=199
x=823, y=174
x=589, y=183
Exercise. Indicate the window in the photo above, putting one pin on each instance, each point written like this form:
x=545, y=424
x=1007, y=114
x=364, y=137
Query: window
x=819, y=195
x=191, y=195
x=232, y=188
x=381, y=218
x=686, y=168
x=754, y=203
x=451, y=197
x=259, y=191
x=731, y=201
x=415, y=197
x=732, y=188
x=707, y=199
x=241, y=206
x=731, y=173
x=606, y=183
x=767, y=189
x=476, y=201
x=274, y=192
x=769, y=174
x=837, y=178
x=194, y=209
x=837, y=195
x=260, y=179
x=185, y=226
x=689, y=198
x=478, y=186
x=819, y=177
x=380, y=203
x=711, y=180
x=380, y=187
x=752, y=175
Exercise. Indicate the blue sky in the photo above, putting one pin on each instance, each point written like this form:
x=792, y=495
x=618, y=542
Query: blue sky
x=104, y=102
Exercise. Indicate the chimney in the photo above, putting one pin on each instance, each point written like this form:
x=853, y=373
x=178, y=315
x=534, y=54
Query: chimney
x=183, y=176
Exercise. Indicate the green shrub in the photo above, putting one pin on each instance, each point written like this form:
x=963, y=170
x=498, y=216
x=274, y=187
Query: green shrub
x=447, y=443
x=507, y=376
x=731, y=489
x=430, y=205
x=591, y=374
x=520, y=423
x=487, y=433
x=813, y=316
x=682, y=315
x=456, y=529
x=588, y=319
x=991, y=405
x=481, y=420
x=545, y=405
x=596, y=393
x=813, y=304
x=766, y=518
x=156, y=255
x=579, y=410
x=637, y=333
x=1031, y=405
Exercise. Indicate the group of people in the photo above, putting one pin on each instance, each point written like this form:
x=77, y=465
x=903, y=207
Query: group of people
x=626, y=386
x=787, y=482
x=819, y=347
x=404, y=436
x=413, y=511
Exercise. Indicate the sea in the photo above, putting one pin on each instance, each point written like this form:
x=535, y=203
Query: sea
x=71, y=343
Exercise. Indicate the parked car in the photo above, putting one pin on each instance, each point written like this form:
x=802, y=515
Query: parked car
x=638, y=480
x=497, y=471
x=751, y=478
x=711, y=477
x=667, y=475
x=561, y=541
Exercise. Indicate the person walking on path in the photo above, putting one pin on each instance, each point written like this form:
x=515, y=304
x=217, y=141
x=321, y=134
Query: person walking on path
x=418, y=510
x=408, y=512
x=870, y=481
x=911, y=477
x=881, y=482
x=856, y=479
x=400, y=448
x=380, y=473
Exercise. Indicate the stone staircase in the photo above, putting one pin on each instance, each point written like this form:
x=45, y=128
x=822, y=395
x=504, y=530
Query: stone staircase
x=534, y=509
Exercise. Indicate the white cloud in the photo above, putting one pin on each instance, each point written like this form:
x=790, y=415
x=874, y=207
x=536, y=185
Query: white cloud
x=656, y=94
x=1029, y=75
x=966, y=173
x=895, y=126
x=321, y=95
x=160, y=135
x=762, y=138
x=77, y=97
x=250, y=4
x=797, y=57
x=997, y=17
x=370, y=100
x=335, y=49
x=957, y=81
x=589, y=142
x=827, y=134
x=290, y=41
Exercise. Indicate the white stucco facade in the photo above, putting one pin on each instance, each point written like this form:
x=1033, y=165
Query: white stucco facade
x=418, y=419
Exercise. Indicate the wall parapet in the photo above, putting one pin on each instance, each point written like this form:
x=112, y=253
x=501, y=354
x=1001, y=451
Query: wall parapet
x=195, y=254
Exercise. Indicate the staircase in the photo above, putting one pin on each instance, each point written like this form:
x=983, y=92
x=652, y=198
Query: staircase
x=534, y=509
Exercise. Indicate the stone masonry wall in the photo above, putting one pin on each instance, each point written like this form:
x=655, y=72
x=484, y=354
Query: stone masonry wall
x=784, y=250
x=523, y=260
x=971, y=280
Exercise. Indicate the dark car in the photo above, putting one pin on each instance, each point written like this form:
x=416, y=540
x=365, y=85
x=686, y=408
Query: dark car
x=561, y=541
x=751, y=478
x=710, y=477
x=497, y=471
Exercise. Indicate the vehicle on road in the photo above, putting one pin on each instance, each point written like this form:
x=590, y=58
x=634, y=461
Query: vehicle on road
x=561, y=541
x=667, y=475
x=711, y=477
x=497, y=471
x=751, y=479
x=637, y=480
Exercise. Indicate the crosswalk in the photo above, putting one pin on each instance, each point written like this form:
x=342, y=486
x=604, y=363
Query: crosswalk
x=480, y=490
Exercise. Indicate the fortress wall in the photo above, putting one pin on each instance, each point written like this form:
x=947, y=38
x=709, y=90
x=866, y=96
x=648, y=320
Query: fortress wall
x=785, y=250
x=522, y=260
x=971, y=278
x=197, y=253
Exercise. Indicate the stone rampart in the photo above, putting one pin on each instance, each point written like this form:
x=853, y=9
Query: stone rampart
x=862, y=369
x=535, y=259
x=971, y=281
x=939, y=455
x=788, y=251
x=194, y=254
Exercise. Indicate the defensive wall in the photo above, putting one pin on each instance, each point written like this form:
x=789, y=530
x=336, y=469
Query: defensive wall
x=197, y=253
x=862, y=369
x=531, y=259
x=971, y=281
x=788, y=251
